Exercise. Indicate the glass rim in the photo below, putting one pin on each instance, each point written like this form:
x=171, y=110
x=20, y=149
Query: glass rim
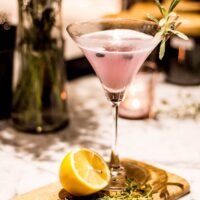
x=110, y=19
x=93, y=21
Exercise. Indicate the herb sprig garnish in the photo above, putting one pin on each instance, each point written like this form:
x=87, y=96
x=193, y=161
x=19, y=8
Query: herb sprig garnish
x=133, y=191
x=167, y=24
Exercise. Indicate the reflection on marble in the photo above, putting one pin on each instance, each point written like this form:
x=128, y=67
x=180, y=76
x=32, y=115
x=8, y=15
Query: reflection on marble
x=29, y=161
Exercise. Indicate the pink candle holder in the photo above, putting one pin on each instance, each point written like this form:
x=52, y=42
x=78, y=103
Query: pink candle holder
x=139, y=98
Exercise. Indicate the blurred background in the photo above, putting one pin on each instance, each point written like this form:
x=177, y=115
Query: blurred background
x=170, y=139
x=76, y=64
x=181, y=64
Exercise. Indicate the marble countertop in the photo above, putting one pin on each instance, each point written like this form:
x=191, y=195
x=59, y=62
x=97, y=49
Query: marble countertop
x=171, y=141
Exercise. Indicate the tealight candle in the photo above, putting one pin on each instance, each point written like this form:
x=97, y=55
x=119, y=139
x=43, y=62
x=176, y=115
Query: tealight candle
x=139, y=97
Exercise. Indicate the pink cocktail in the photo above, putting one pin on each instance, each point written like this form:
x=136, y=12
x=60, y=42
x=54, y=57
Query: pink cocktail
x=114, y=58
x=116, y=49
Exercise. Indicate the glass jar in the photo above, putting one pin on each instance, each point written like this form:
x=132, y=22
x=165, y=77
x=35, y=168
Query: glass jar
x=39, y=90
x=140, y=94
x=182, y=60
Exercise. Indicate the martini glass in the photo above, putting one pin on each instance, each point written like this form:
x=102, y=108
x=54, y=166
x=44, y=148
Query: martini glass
x=116, y=49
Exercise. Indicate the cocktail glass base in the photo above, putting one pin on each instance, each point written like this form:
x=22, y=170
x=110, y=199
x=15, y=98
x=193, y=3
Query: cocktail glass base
x=118, y=179
x=126, y=170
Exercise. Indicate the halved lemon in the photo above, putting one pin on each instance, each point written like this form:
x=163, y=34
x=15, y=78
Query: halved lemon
x=83, y=172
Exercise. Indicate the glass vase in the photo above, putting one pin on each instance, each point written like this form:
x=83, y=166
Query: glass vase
x=39, y=92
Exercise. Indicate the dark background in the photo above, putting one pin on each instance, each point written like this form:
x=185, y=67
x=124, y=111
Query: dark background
x=74, y=68
x=186, y=73
x=7, y=43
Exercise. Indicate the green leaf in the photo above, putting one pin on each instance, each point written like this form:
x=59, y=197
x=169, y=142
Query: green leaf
x=167, y=24
x=165, y=12
x=173, y=5
x=179, y=34
x=160, y=7
x=162, y=49
x=151, y=17
x=159, y=33
x=162, y=22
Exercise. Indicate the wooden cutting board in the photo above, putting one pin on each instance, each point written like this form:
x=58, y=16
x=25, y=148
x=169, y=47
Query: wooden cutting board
x=166, y=186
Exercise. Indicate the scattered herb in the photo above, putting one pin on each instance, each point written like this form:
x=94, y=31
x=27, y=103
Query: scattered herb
x=188, y=111
x=189, y=108
x=168, y=24
x=133, y=191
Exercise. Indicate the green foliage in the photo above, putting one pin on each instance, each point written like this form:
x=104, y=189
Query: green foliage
x=40, y=80
x=168, y=24
x=132, y=191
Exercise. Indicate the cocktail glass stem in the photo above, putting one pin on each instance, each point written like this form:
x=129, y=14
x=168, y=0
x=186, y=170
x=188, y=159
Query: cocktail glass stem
x=114, y=160
x=117, y=171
